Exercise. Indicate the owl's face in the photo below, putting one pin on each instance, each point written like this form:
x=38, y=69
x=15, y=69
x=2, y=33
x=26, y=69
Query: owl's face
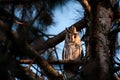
x=71, y=35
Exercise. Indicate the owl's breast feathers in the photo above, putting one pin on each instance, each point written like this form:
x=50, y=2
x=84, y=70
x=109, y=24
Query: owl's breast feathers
x=72, y=51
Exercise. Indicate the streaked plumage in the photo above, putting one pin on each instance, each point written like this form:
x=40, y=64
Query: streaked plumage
x=71, y=51
x=72, y=47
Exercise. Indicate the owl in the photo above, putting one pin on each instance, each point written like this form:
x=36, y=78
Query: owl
x=72, y=47
x=71, y=51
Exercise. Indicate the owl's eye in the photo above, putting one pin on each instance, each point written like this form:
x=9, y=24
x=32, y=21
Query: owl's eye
x=75, y=35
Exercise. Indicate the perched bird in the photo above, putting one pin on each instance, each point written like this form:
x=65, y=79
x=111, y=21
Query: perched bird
x=71, y=51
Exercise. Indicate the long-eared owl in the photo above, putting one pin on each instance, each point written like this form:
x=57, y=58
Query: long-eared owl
x=72, y=47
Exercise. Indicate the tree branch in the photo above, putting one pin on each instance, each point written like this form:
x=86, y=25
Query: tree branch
x=54, y=62
x=85, y=5
x=27, y=50
x=48, y=69
x=52, y=41
x=24, y=73
x=60, y=37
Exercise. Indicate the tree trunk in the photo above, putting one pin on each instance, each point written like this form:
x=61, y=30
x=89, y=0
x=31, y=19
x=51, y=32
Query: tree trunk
x=98, y=65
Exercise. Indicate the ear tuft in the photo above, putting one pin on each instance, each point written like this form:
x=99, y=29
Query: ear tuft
x=74, y=29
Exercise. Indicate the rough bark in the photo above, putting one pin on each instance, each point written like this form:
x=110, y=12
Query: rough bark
x=98, y=65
